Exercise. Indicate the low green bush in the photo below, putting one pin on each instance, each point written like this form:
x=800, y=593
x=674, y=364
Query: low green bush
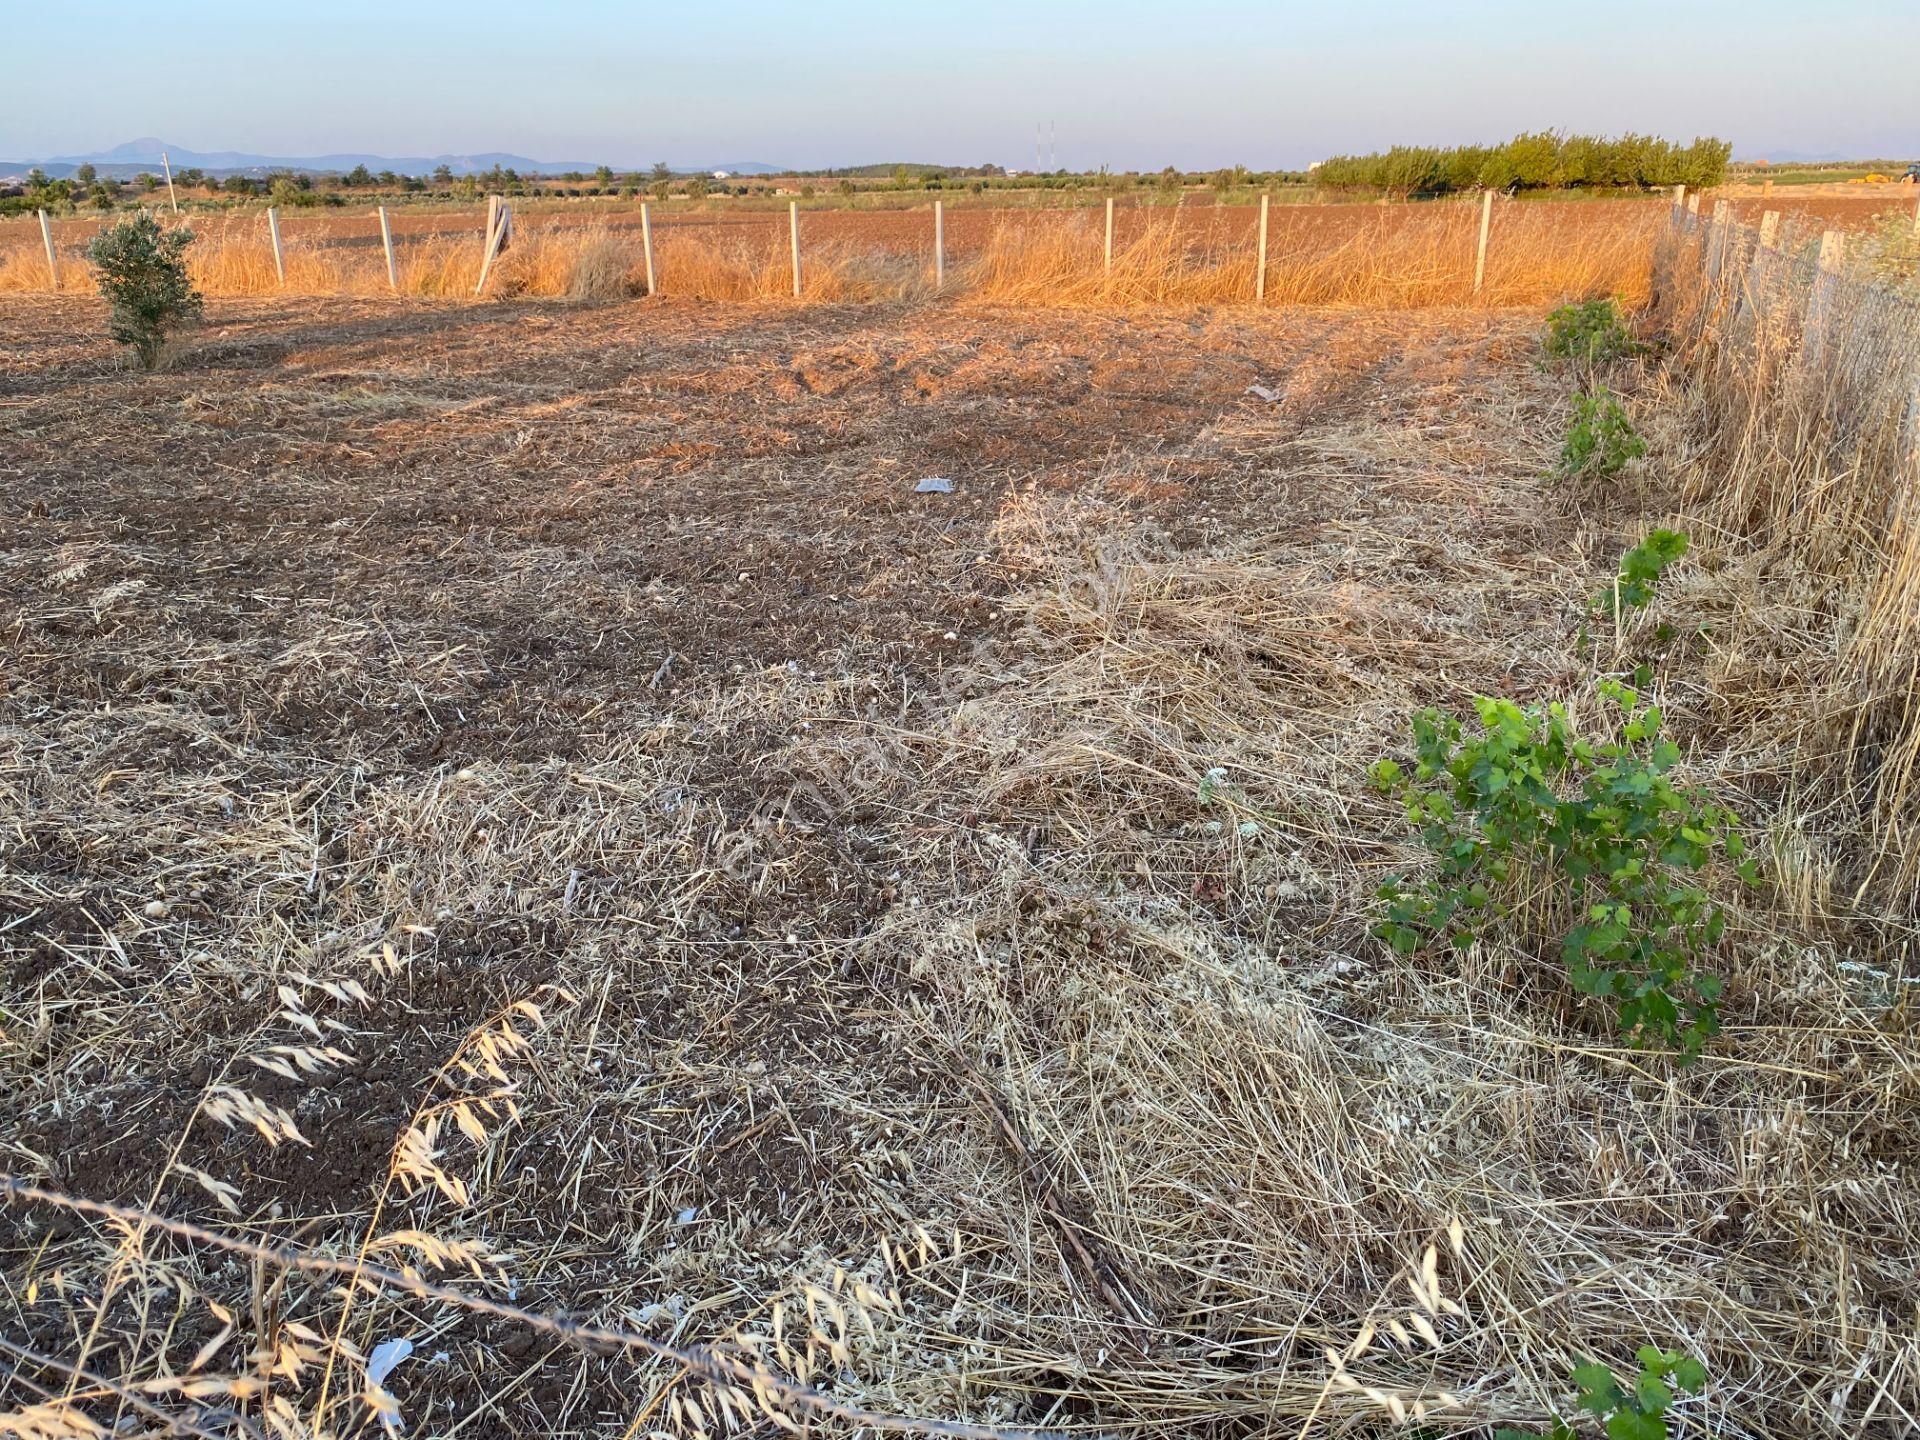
x=1636, y=1412
x=1601, y=441
x=143, y=275
x=1532, y=822
x=1591, y=331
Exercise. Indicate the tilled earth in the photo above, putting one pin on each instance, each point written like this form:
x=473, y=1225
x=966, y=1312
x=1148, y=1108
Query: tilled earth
x=454, y=651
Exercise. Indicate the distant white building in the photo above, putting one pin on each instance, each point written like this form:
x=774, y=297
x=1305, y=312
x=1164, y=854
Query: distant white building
x=723, y=174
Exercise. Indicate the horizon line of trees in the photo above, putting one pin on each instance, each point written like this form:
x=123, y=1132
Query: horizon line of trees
x=1543, y=160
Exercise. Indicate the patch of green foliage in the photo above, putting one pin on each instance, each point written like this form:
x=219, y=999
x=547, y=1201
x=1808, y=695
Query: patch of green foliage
x=1601, y=440
x=1640, y=569
x=1587, y=837
x=143, y=275
x=1591, y=332
x=1636, y=1412
x=1541, y=161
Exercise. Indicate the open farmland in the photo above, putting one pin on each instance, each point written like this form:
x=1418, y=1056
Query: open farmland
x=535, y=792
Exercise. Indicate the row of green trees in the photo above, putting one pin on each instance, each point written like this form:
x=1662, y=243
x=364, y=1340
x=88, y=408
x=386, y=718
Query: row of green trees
x=1541, y=161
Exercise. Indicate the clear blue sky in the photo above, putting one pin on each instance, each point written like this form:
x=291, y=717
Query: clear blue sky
x=1193, y=83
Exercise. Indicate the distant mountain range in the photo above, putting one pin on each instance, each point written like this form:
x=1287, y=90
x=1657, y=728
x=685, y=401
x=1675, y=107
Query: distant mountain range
x=125, y=161
x=1812, y=157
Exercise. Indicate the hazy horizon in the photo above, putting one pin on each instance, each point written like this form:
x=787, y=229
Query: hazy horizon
x=1119, y=83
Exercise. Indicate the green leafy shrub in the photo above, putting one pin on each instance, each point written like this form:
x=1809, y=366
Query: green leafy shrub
x=1636, y=1413
x=1590, y=332
x=143, y=275
x=1589, y=838
x=1601, y=439
x=1640, y=569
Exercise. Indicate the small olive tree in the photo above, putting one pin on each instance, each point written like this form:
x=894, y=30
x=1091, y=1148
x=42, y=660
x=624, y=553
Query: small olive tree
x=143, y=275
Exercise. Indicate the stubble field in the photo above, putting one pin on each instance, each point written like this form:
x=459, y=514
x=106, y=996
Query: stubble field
x=541, y=780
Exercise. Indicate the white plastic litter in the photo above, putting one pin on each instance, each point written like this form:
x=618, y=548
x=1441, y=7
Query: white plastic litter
x=1262, y=392
x=934, y=485
x=386, y=1355
x=685, y=1217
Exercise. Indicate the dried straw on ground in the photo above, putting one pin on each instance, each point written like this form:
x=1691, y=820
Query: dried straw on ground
x=946, y=917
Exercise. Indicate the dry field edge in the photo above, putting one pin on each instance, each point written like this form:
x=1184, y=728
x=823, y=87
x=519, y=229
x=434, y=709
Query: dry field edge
x=1400, y=255
x=536, y=791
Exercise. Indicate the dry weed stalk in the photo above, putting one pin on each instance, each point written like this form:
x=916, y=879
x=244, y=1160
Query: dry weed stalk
x=743, y=1393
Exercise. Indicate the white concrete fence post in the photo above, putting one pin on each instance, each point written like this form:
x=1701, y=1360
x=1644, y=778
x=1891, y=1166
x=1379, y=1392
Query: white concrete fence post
x=46, y=239
x=1826, y=286
x=273, y=236
x=386, y=243
x=499, y=223
x=1109, y=233
x=939, y=245
x=793, y=233
x=646, y=245
x=1260, y=266
x=1486, y=227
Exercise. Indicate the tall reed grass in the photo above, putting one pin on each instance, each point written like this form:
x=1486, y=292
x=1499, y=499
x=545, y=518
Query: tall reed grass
x=1394, y=256
x=1802, y=390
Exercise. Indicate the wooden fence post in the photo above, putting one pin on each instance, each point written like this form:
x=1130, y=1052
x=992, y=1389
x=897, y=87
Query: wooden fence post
x=646, y=245
x=1486, y=226
x=1260, y=267
x=939, y=245
x=386, y=243
x=172, y=199
x=793, y=233
x=273, y=234
x=1109, y=232
x=46, y=238
x=499, y=218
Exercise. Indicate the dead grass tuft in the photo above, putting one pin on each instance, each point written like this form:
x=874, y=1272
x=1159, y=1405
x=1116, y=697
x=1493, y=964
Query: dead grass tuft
x=1800, y=390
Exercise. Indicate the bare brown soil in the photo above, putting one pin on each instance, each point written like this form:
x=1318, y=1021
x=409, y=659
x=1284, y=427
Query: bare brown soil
x=965, y=896
x=350, y=557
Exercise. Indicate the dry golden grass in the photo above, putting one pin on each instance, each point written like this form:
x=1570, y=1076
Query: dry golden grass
x=1801, y=394
x=1399, y=259
x=1402, y=257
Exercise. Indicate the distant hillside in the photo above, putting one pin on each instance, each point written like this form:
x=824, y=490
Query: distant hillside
x=134, y=156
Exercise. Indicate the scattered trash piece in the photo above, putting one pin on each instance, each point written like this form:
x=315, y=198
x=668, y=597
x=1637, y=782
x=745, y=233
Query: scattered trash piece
x=934, y=485
x=386, y=1355
x=1263, y=393
x=686, y=1217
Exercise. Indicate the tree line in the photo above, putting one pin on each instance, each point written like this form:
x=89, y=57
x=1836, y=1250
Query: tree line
x=1540, y=161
